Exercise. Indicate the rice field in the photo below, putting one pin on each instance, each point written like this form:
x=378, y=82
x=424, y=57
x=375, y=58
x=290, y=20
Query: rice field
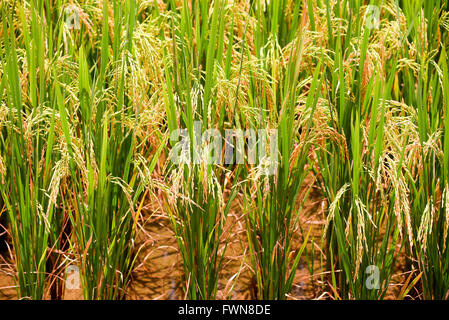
x=224, y=149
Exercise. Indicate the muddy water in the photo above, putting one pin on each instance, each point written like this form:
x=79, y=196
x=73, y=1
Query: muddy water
x=158, y=270
x=159, y=276
x=7, y=287
x=156, y=274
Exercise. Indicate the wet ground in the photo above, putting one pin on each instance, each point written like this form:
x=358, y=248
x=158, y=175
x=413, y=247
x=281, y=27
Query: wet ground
x=158, y=270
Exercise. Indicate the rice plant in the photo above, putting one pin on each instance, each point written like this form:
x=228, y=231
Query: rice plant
x=102, y=198
x=196, y=203
x=428, y=182
x=29, y=154
x=273, y=214
x=222, y=117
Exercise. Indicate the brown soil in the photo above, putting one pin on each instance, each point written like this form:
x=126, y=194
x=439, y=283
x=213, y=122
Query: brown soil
x=7, y=286
x=158, y=270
